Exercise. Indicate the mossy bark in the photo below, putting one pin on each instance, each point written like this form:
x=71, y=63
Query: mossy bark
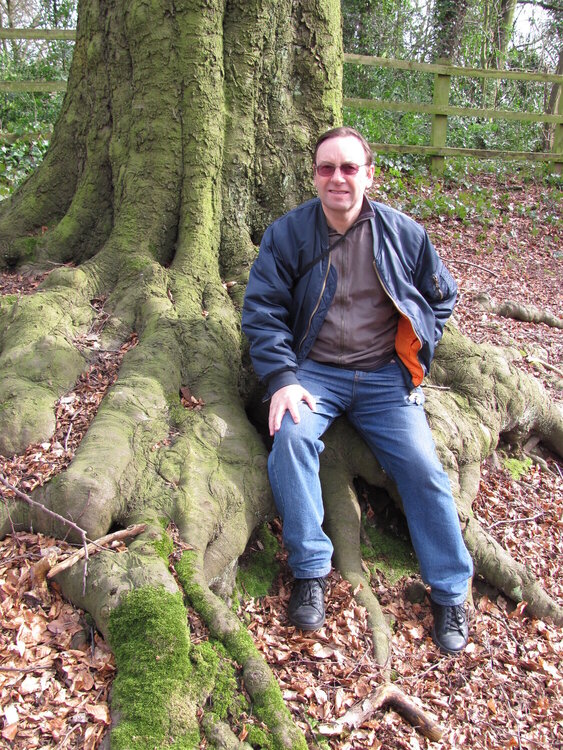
x=187, y=127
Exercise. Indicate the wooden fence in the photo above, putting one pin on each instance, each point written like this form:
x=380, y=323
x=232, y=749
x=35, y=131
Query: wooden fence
x=439, y=110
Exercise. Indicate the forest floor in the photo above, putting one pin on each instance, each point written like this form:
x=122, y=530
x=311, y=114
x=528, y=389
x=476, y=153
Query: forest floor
x=499, y=237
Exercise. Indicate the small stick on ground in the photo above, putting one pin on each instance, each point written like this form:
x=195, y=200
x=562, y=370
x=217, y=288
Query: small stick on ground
x=385, y=696
x=34, y=504
x=96, y=547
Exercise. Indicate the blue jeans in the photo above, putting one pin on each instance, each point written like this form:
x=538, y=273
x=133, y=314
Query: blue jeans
x=394, y=425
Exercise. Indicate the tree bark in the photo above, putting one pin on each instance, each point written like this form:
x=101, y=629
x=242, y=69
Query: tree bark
x=503, y=33
x=447, y=23
x=185, y=130
x=552, y=104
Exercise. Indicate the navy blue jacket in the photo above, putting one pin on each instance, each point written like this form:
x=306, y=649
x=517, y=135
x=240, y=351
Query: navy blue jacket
x=292, y=284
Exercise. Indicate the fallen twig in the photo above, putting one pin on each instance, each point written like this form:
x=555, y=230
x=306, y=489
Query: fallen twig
x=475, y=265
x=523, y=519
x=386, y=695
x=43, y=509
x=95, y=547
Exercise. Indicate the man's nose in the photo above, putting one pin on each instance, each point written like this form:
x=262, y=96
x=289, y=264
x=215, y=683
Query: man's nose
x=338, y=175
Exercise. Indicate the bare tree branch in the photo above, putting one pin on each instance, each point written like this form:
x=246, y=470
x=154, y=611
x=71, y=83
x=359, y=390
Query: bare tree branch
x=47, y=511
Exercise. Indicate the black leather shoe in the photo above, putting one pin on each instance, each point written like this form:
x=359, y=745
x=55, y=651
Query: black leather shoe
x=306, y=607
x=450, y=632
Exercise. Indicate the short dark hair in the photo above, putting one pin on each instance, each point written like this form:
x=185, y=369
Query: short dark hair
x=344, y=132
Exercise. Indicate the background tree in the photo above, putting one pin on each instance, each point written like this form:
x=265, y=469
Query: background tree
x=477, y=33
x=185, y=130
x=503, y=33
x=448, y=22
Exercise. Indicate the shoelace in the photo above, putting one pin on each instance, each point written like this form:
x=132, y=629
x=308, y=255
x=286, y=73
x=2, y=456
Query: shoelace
x=311, y=591
x=455, y=617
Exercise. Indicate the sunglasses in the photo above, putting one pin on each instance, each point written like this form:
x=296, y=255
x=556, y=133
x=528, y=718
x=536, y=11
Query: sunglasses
x=348, y=169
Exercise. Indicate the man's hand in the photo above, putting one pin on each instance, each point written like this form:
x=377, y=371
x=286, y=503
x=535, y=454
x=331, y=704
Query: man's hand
x=288, y=398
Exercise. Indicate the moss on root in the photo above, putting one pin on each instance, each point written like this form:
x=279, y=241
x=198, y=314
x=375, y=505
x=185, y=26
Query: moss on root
x=257, y=573
x=267, y=700
x=216, y=677
x=164, y=546
x=388, y=554
x=150, y=639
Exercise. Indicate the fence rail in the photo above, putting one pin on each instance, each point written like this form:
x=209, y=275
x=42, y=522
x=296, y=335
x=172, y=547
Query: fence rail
x=34, y=86
x=451, y=70
x=439, y=110
x=42, y=34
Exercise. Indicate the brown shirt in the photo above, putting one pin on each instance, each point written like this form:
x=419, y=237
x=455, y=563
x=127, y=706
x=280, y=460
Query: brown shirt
x=361, y=324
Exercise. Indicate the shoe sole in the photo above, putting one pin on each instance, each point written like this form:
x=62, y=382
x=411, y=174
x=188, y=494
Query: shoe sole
x=308, y=628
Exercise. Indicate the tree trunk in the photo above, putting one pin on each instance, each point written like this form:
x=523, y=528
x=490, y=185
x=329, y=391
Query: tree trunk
x=552, y=105
x=447, y=22
x=185, y=130
x=503, y=33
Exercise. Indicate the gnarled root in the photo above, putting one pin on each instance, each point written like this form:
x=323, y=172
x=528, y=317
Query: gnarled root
x=258, y=678
x=389, y=696
x=509, y=576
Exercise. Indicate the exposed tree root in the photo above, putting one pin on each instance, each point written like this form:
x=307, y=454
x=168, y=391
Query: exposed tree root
x=182, y=135
x=526, y=313
x=258, y=679
x=497, y=567
x=343, y=522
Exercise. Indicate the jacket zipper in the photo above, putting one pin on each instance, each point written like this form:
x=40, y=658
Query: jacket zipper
x=388, y=293
x=395, y=304
x=414, y=395
x=316, y=306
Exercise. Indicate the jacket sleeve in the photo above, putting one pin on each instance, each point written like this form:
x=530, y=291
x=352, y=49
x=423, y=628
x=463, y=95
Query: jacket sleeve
x=266, y=316
x=436, y=284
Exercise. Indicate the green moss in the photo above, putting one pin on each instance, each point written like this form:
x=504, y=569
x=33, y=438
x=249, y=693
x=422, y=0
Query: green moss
x=270, y=708
x=29, y=246
x=258, y=738
x=164, y=546
x=150, y=639
x=7, y=302
x=518, y=468
x=267, y=699
x=259, y=570
x=138, y=264
x=390, y=555
x=216, y=677
x=185, y=567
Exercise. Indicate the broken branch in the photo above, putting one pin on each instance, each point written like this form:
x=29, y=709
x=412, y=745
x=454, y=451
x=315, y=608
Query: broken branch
x=96, y=546
x=386, y=695
x=34, y=504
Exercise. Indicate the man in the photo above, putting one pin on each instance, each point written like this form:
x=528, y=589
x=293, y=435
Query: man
x=343, y=309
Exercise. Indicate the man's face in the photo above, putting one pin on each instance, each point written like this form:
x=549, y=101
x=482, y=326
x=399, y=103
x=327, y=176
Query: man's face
x=342, y=194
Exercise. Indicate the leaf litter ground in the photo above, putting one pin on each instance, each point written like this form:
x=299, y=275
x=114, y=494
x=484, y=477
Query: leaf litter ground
x=505, y=691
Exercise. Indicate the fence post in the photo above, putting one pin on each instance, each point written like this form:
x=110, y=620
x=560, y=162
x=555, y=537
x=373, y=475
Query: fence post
x=440, y=122
x=557, y=147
